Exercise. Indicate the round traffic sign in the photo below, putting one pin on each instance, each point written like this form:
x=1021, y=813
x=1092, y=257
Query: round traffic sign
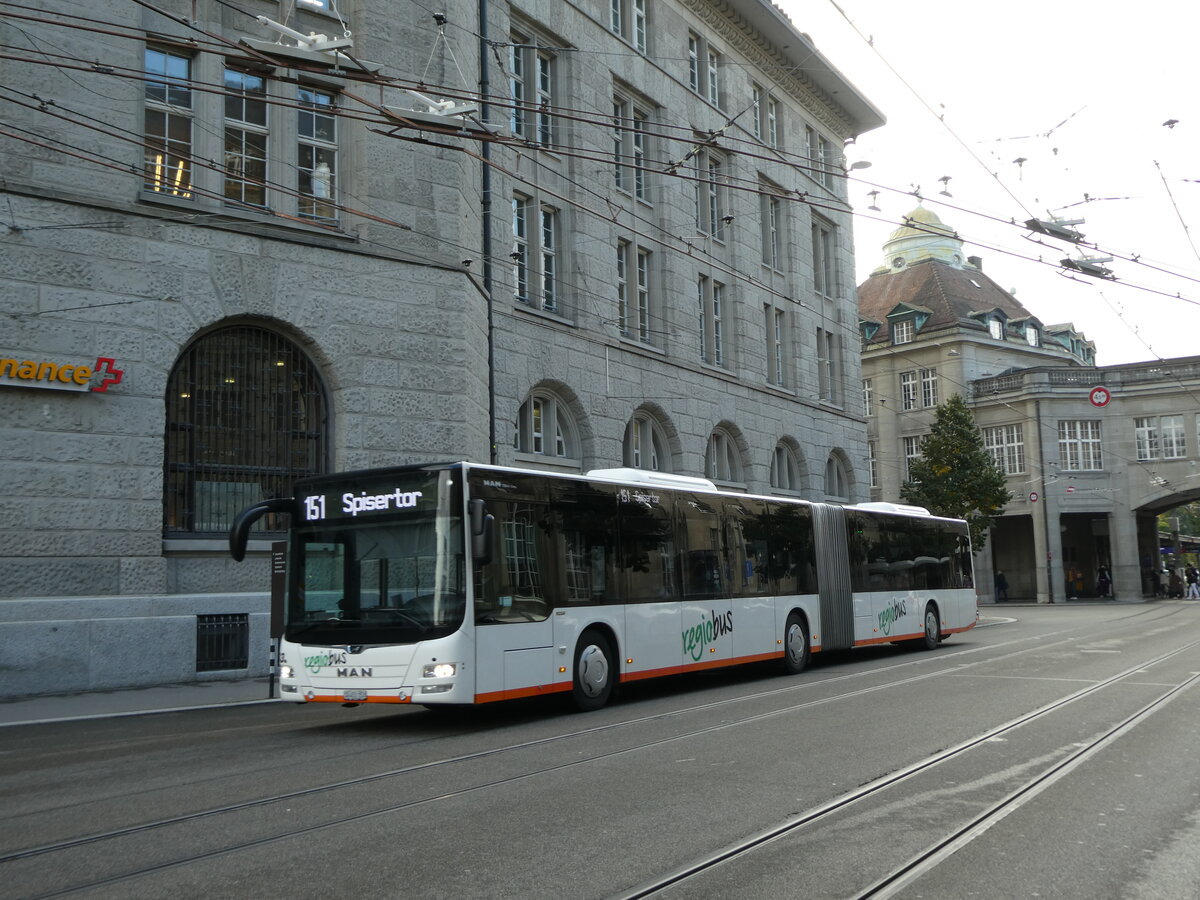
x=1033, y=496
x=1099, y=396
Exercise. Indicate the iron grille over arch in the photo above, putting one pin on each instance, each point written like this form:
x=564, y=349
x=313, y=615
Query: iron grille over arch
x=246, y=416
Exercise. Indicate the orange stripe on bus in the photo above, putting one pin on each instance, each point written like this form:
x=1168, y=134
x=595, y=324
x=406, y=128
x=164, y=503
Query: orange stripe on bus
x=519, y=693
x=701, y=666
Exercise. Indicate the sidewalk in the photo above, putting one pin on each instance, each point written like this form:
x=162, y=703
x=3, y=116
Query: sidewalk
x=134, y=701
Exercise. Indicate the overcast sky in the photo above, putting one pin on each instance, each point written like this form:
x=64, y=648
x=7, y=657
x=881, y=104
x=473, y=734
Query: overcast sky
x=1080, y=93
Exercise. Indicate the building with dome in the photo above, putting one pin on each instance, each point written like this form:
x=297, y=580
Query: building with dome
x=1092, y=454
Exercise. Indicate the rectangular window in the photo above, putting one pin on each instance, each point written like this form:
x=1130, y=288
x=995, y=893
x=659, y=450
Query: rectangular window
x=630, y=148
x=872, y=464
x=756, y=109
x=908, y=390
x=316, y=160
x=714, y=77
x=912, y=451
x=824, y=246
x=776, y=330
x=828, y=366
x=1159, y=438
x=627, y=18
x=820, y=156
x=520, y=251
x=772, y=227
x=710, y=199
x=1079, y=448
x=868, y=396
x=544, y=99
x=902, y=332
x=534, y=253
x=531, y=86
x=643, y=295
x=1174, y=445
x=516, y=87
x=623, y=286
x=694, y=62
x=711, y=296
x=167, y=160
x=772, y=129
x=549, y=243
x=929, y=388
x=1146, y=437
x=704, y=69
x=1006, y=445
x=245, y=138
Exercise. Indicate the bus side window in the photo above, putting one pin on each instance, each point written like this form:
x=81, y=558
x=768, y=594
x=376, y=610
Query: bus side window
x=583, y=524
x=512, y=587
x=744, y=548
x=648, y=549
x=702, y=558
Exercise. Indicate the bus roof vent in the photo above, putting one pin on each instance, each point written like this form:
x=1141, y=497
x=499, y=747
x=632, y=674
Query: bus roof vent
x=661, y=479
x=902, y=508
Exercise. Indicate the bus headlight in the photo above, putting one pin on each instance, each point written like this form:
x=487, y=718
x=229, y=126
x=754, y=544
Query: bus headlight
x=285, y=672
x=439, y=670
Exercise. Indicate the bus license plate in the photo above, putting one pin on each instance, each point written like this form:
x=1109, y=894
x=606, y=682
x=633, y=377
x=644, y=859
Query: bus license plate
x=354, y=695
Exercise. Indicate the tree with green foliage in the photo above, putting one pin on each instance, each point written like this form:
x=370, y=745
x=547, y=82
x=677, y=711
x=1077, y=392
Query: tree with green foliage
x=954, y=475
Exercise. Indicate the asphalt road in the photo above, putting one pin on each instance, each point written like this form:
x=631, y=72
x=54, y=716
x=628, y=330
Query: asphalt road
x=1049, y=754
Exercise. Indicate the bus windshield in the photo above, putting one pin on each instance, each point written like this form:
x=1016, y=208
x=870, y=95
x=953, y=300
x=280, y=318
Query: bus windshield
x=378, y=562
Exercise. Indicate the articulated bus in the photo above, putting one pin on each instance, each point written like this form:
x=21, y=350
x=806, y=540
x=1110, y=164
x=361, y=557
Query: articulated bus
x=460, y=583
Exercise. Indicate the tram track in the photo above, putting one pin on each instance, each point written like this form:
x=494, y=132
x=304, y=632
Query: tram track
x=892, y=882
x=946, y=664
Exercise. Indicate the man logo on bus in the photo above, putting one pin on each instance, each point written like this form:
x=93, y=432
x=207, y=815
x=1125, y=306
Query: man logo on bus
x=888, y=617
x=696, y=638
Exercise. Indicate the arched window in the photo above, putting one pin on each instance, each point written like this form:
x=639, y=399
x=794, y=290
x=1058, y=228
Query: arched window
x=645, y=445
x=246, y=417
x=722, y=461
x=837, y=484
x=785, y=470
x=545, y=427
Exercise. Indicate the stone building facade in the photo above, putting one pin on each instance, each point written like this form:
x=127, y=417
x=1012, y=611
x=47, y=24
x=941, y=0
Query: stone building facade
x=246, y=242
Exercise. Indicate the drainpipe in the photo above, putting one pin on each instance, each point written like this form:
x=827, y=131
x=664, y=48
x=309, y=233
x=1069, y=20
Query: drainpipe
x=485, y=213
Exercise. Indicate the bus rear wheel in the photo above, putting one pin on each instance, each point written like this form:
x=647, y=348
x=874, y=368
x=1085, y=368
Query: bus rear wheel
x=795, y=645
x=933, y=629
x=595, y=671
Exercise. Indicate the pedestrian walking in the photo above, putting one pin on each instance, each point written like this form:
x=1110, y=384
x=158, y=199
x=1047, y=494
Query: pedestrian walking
x=1193, y=583
x=1001, y=587
x=1103, y=582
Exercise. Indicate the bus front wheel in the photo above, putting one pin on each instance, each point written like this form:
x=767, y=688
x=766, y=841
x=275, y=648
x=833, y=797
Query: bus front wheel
x=795, y=645
x=595, y=671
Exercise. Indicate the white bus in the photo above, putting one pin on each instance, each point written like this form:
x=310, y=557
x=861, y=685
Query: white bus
x=461, y=583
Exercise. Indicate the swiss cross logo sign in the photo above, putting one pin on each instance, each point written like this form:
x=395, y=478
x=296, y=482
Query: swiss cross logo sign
x=1099, y=396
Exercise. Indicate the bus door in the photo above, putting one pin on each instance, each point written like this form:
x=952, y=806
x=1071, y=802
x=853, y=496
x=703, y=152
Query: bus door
x=833, y=578
x=706, y=626
x=514, y=594
x=650, y=582
x=582, y=527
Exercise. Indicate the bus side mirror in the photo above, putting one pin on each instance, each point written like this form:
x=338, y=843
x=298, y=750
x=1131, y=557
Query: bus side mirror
x=483, y=526
x=239, y=531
